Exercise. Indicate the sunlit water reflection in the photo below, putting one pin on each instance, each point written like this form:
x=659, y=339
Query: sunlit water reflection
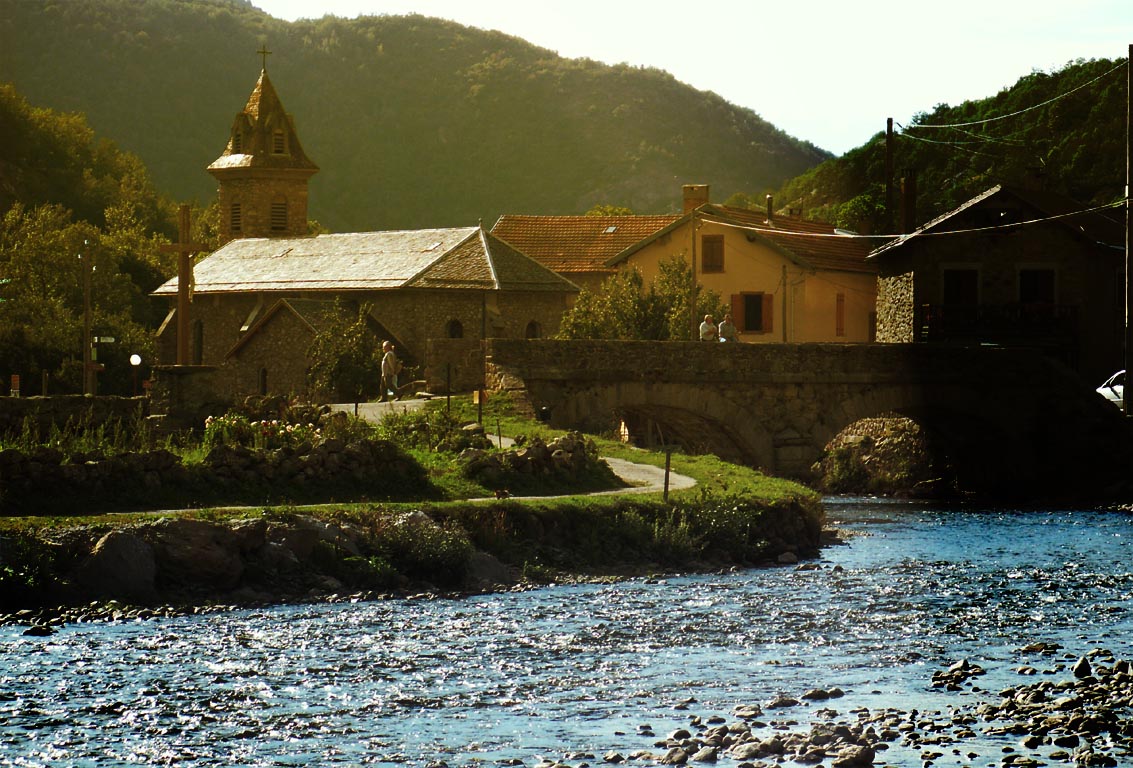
x=576, y=670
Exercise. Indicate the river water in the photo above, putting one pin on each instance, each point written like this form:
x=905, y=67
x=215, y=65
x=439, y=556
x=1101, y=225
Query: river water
x=569, y=673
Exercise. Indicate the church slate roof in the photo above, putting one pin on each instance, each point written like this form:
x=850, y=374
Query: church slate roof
x=461, y=257
x=262, y=115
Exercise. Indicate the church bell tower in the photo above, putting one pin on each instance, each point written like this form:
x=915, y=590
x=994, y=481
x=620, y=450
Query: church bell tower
x=262, y=174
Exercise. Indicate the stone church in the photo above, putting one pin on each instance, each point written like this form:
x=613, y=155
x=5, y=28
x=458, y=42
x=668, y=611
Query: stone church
x=258, y=302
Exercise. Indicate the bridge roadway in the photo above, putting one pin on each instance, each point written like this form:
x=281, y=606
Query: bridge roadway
x=1012, y=422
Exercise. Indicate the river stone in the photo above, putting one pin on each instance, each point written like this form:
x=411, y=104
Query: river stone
x=1082, y=668
x=486, y=572
x=121, y=566
x=196, y=553
x=705, y=755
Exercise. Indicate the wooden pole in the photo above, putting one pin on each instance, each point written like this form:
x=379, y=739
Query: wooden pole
x=693, y=322
x=184, y=278
x=1128, y=181
x=889, y=175
x=86, y=259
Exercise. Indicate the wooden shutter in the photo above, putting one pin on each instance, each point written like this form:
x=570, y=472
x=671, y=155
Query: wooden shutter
x=768, y=312
x=738, y=311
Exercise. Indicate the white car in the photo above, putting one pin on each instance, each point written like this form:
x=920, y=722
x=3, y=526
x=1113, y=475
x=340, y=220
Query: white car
x=1114, y=388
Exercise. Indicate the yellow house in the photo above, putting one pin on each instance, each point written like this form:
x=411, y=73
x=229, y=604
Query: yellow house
x=786, y=279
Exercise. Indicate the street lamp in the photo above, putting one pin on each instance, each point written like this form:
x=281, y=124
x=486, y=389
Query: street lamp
x=135, y=361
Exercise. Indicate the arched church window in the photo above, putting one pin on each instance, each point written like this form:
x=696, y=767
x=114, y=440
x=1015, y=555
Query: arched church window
x=279, y=216
x=455, y=329
x=235, y=218
x=263, y=381
x=534, y=330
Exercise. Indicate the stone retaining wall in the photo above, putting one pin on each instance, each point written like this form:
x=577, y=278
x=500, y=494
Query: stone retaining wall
x=58, y=410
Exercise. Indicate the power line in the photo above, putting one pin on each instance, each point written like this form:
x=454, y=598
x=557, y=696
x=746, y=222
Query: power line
x=1122, y=65
x=855, y=236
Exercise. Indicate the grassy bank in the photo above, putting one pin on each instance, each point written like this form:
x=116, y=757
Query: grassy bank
x=442, y=540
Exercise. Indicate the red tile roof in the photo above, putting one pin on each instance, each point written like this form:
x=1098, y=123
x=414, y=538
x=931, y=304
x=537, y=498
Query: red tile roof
x=577, y=243
x=813, y=243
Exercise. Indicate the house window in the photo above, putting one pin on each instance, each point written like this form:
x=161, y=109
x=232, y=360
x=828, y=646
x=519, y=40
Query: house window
x=840, y=315
x=753, y=312
x=279, y=216
x=960, y=287
x=454, y=329
x=534, y=330
x=235, y=218
x=1036, y=286
x=279, y=143
x=712, y=253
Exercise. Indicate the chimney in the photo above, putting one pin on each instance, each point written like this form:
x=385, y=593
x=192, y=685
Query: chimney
x=908, y=201
x=770, y=206
x=694, y=195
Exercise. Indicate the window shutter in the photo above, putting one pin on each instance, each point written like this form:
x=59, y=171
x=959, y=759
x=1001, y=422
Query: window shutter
x=738, y=311
x=768, y=312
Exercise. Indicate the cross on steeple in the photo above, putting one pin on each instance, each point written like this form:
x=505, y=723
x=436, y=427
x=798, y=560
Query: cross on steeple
x=264, y=53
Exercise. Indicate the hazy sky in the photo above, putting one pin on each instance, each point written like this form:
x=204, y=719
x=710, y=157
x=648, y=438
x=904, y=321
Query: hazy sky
x=826, y=71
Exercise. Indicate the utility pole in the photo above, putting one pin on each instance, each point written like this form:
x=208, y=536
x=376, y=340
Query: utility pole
x=693, y=323
x=1128, y=181
x=889, y=175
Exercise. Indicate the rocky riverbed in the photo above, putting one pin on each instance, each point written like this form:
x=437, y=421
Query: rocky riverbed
x=1081, y=720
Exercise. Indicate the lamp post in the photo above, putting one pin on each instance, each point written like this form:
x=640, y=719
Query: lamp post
x=87, y=373
x=135, y=361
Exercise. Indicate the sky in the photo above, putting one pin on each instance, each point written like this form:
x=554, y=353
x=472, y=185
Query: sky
x=825, y=71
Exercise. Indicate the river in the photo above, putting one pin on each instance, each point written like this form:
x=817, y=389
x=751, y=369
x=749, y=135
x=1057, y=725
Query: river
x=573, y=672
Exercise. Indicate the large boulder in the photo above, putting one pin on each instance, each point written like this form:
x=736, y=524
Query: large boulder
x=193, y=554
x=120, y=567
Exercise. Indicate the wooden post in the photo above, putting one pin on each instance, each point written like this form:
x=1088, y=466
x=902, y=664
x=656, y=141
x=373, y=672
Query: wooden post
x=184, y=248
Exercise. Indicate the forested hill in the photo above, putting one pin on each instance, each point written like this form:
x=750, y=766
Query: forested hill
x=414, y=122
x=1063, y=130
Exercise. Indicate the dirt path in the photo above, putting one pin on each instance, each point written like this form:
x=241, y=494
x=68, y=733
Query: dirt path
x=642, y=478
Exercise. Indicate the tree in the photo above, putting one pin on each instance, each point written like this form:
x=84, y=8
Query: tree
x=346, y=355
x=624, y=308
x=610, y=210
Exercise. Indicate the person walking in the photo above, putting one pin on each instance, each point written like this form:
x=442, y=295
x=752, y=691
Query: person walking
x=391, y=366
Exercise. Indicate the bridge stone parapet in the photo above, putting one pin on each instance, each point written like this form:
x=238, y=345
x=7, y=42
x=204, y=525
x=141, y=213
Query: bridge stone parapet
x=1010, y=420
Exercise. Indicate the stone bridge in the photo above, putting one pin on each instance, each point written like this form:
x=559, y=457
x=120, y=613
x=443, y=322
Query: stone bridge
x=1011, y=421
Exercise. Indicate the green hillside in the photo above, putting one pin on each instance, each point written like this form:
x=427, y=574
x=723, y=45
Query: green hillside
x=414, y=121
x=1064, y=130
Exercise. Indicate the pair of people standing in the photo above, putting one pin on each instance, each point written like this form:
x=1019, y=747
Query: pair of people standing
x=709, y=331
x=391, y=367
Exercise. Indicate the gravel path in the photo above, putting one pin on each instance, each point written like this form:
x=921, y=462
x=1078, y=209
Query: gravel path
x=643, y=478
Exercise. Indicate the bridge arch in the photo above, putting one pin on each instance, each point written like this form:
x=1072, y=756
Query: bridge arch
x=1004, y=416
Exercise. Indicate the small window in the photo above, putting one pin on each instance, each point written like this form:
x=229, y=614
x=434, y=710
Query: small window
x=263, y=381
x=840, y=315
x=961, y=287
x=1036, y=286
x=752, y=312
x=534, y=330
x=236, y=218
x=237, y=143
x=279, y=143
x=610, y=230
x=454, y=329
x=712, y=253
x=279, y=216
